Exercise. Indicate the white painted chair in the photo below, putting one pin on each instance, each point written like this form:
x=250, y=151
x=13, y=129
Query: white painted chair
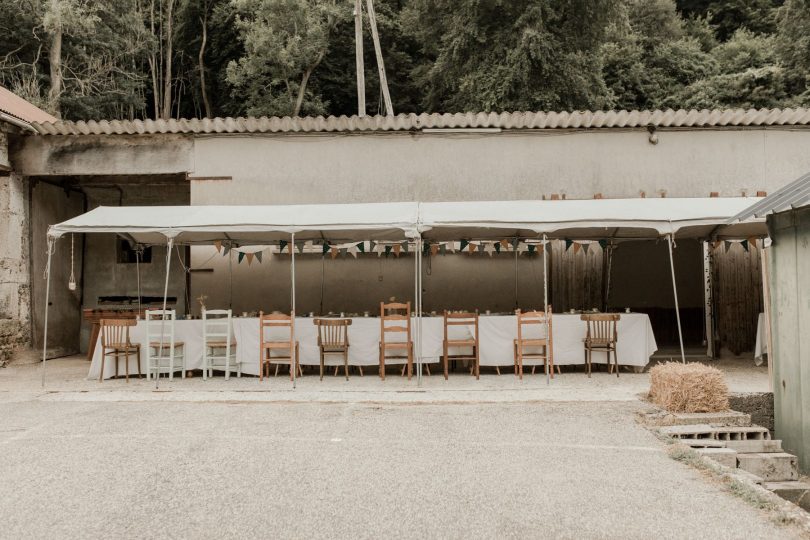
x=170, y=358
x=219, y=352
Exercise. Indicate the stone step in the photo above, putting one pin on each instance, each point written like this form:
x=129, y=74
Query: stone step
x=703, y=443
x=754, y=446
x=796, y=492
x=698, y=431
x=771, y=467
x=728, y=418
x=741, y=433
x=723, y=456
x=752, y=477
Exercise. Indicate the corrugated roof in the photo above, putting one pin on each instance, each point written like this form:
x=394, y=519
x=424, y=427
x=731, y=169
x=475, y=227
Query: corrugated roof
x=17, y=107
x=407, y=122
x=794, y=195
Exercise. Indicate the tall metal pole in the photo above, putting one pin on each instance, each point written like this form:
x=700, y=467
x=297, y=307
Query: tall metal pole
x=545, y=308
x=419, y=311
x=708, y=303
x=47, y=301
x=293, y=364
x=372, y=21
x=169, y=245
x=358, y=55
x=675, y=293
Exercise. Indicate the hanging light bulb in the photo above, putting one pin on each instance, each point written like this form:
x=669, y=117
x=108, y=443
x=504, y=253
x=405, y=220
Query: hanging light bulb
x=72, y=280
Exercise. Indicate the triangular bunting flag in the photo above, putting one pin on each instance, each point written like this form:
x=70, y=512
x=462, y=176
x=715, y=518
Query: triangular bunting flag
x=577, y=247
x=239, y=259
x=343, y=251
x=387, y=250
x=361, y=247
x=281, y=245
x=334, y=252
x=404, y=247
x=443, y=249
x=325, y=248
x=397, y=249
x=463, y=244
x=489, y=248
x=505, y=244
x=568, y=244
x=353, y=251
x=472, y=248
x=586, y=247
x=515, y=243
x=753, y=242
x=258, y=256
x=603, y=244
x=727, y=245
x=300, y=246
x=434, y=249
x=522, y=247
x=531, y=249
x=540, y=248
x=218, y=245
x=226, y=249
x=744, y=245
x=497, y=246
x=250, y=258
x=716, y=244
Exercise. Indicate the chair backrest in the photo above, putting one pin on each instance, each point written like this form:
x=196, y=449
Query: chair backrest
x=460, y=319
x=526, y=320
x=393, y=312
x=276, y=320
x=602, y=326
x=217, y=325
x=157, y=320
x=115, y=331
x=333, y=332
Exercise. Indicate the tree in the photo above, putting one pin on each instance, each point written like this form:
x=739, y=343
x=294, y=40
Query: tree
x=793, y=48
x=510, y=54
x=285, y=41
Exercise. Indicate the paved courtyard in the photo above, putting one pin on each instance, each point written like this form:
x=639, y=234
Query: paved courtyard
x=221, y=460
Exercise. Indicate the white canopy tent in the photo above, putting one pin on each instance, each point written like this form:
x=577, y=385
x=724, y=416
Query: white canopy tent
x=615, y=219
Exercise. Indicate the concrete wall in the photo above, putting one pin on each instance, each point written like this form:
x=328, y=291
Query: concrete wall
x=790, y=321
x=15, y=290
x=440, y=167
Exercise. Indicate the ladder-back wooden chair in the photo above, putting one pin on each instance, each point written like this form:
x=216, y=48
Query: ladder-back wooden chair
x=395, y=313
x=219, y=346
x=466, y=320
x=267, y=346
x=333, y=338
x=534, y=329
x=602, y=336
x=115, y=343
x=171, y=356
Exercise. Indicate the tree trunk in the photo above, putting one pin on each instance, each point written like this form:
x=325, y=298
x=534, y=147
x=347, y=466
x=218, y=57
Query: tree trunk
x=167, y=63
x=154, y=67
x=201, y=62
x=55, y=60
x=304, y=80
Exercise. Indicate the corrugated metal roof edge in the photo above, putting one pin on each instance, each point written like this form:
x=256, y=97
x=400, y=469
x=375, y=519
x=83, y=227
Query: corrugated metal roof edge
x=409, y=122
x=793, y=195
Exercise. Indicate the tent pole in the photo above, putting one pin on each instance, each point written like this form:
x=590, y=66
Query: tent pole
x=708, y=308
x=515, y=247
x=675, y=294
x=169, y=245
x=766, y=300
x=138, y=276
x=419, y=311
x=545, y=301
x=293, y=365
x=47, y=300
x=230, y=279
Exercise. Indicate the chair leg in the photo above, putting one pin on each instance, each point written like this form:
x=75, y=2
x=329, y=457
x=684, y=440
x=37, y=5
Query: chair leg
x=410, y=361
x=138, y=360
x=126, y=364
x=616, y=358
x=101, y=373
x=533, y=368
x=117, y=357
x=498, y=370
x=321, y=365
x=382, y=362
x=346, y=363
x=427, y=367
x=361, y=370
x=445, y=359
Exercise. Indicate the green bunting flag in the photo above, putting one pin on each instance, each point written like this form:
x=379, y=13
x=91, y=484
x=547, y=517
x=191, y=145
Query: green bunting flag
x=497, y=247
x=568, y=244
x=463, y=245
x=241, y=256
x=388, y=250
x=325, y=248
x=300, y=246
x=603, y=244
x=362, y=247
x=532, y=247
x=281, y=245
x=744, y=245
x=515, y=243
x=404, y=246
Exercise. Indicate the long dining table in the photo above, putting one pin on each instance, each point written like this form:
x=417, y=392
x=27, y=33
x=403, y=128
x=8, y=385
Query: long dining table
x=636, y=342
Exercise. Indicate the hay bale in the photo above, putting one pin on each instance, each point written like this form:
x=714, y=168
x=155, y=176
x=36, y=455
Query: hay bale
x=688, y=388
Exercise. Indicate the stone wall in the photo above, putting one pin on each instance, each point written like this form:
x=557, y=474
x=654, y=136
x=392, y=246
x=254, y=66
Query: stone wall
x=15, y=289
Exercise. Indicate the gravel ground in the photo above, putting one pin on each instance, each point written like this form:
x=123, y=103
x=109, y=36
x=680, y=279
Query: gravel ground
x=162, y=469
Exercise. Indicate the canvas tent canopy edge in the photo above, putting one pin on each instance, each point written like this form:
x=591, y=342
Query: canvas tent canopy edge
x=575, y=219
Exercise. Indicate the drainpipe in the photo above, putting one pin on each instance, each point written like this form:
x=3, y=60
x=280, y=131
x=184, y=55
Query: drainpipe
x=13, y=120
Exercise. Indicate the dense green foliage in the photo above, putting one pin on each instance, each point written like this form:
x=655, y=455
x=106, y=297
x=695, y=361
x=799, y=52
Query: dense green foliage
x=83, y=59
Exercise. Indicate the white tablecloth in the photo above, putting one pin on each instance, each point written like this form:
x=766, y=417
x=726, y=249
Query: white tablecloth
x=761, y=345
x=497, y=332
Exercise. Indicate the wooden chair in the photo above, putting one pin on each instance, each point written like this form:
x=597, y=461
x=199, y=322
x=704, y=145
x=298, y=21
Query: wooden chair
x=333, y=338
x=169, y=358
x=392, y=312
x=219, y=347
x=115, y=342
x=542, y=337
x=461, y=319
x=266, y=347
x=601, y=336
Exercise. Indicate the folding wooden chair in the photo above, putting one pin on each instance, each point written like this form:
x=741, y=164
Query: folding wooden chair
x=266, y=347
x=333, y=338
x=467, y=320
x=602, y=336
x=115, y=343
x=392, y=312
x=541, y=337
